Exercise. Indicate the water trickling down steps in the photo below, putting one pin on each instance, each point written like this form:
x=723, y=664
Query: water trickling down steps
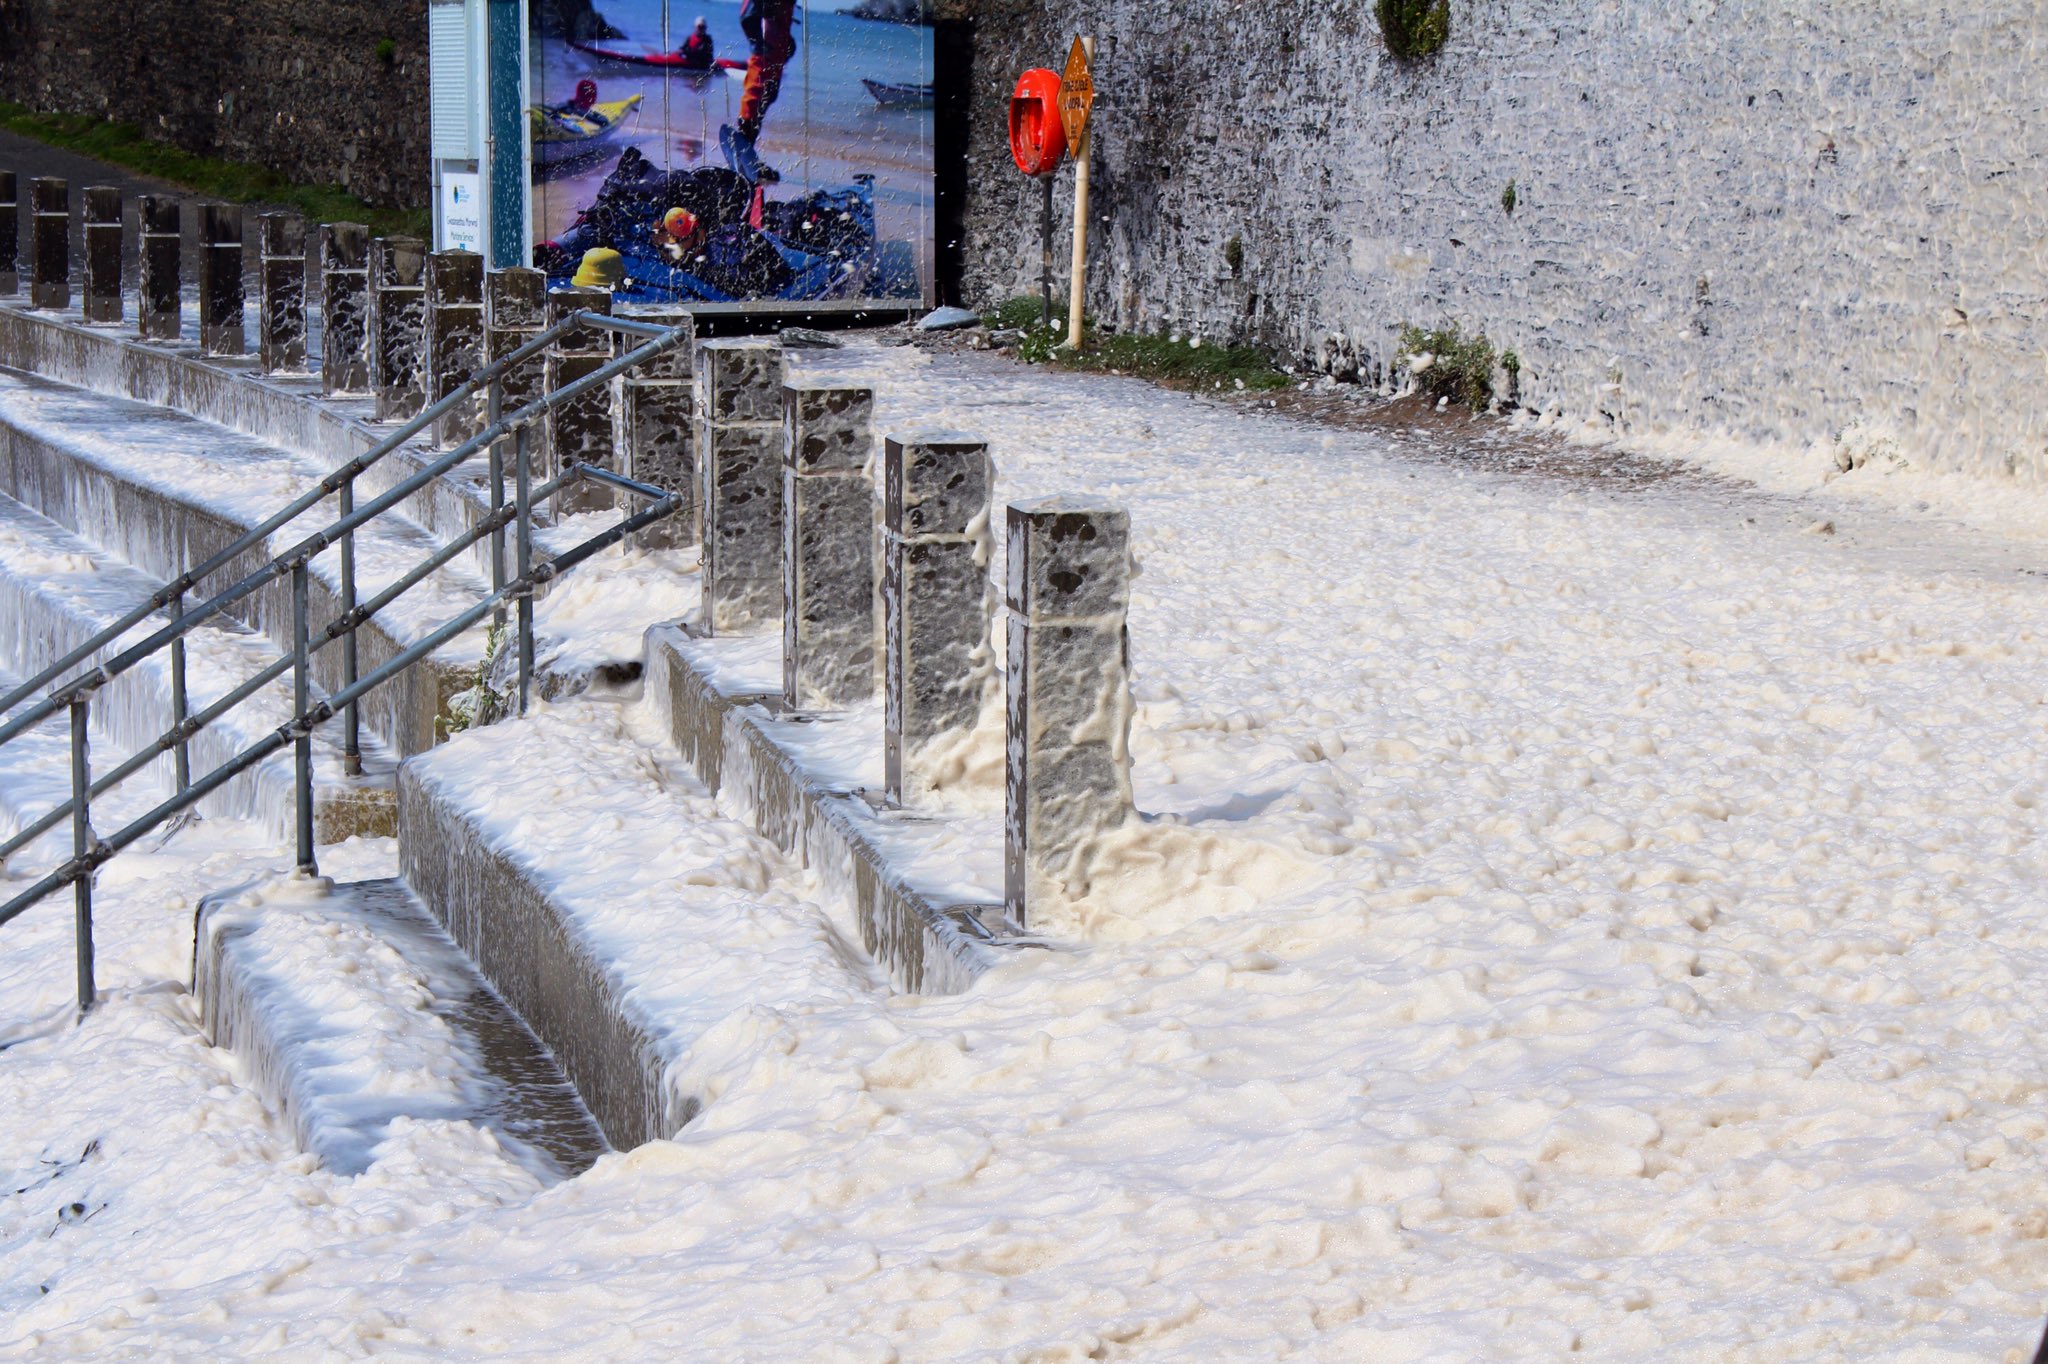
x=164, y=491
x=57, y=591
x=354, y=1012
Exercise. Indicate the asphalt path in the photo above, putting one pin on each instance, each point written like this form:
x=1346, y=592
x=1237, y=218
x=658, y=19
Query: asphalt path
x=28, y=159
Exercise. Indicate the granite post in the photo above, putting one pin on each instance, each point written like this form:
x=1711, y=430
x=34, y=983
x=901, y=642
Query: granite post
x=938, y=668
x=10, y=233
x=159, y=286
x=102, y=214
x=1067, y=734
x=281, y=293
x=654, y=411
x=580, y=430
x=49, y=242
x=455, y=338
x=344, y=308
x=515, y=311
x=220, y=280
x=738, y=401
x=397, y=325
x=828, y=546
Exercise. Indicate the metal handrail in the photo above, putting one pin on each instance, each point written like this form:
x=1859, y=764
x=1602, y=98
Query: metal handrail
x=174, y=591
x=75, y=694
x=339, y=628
x=301, y=726
x=91, y=681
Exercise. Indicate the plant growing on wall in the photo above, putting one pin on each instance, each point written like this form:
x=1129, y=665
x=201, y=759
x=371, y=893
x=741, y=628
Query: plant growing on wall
x=1448, y=364
x=1414, y=29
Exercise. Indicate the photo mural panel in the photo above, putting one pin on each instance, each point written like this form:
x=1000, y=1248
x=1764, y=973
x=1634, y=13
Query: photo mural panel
x=726, y=150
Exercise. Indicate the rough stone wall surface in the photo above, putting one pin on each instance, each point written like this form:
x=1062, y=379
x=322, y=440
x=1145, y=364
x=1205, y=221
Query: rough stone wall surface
x=308, y=88
x=1783, y=223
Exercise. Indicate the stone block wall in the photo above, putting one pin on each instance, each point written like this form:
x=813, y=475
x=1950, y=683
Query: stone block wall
x=322, y=91
x=1785, y=223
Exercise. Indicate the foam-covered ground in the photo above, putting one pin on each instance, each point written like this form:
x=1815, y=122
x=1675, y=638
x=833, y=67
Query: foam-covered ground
x=1571, y=923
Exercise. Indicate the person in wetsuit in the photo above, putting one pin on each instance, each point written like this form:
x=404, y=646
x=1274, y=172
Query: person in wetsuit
x=770, y=27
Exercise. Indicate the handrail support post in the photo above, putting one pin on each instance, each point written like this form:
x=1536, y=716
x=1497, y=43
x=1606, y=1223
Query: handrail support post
x=523, y=490
x=302, y=742
x=81, y=851
x=182, y=756
x=497, y=458
x=351, y=722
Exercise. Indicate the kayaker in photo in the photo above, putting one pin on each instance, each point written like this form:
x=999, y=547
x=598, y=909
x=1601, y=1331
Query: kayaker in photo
x=696, y=50
x=583, y=104
x=770, y=27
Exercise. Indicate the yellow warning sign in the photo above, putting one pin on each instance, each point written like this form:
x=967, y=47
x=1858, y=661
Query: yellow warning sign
x=1077, y=93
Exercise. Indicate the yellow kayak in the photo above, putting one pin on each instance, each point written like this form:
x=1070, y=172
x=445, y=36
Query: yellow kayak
x=560, y=133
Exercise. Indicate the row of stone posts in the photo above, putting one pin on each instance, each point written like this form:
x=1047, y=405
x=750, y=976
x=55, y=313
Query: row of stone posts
x=159, y=242
x=808, y=556
x=401, y=324
x=783, y=479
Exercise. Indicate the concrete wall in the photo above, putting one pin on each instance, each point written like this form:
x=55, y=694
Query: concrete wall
x=301, y=86
x=1779, y=221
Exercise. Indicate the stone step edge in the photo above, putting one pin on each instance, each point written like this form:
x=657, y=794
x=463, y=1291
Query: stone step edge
x=927, y=947
x=274, y=997
x=283, y=410
x=343, y=806
x=530, y=951
x=409, y=713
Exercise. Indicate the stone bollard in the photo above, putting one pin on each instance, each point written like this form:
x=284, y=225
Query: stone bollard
x=49, y=242
x=10, y=233
x=455, y=338
x=344, y=308
x=828, y=546
x=579, y=431
x=938, y=670
x=102, y=254
x=281, y=293
x=654, y=413
x=159, y=292
x=220, y=280
x=515, y=311
x=397, y=325
x=738, y=438
x=1067, y=742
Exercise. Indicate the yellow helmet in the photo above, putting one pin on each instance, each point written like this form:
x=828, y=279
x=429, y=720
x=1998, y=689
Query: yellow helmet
x=602, y=267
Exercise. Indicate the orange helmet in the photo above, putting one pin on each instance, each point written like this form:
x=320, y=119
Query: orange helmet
x=679, y=223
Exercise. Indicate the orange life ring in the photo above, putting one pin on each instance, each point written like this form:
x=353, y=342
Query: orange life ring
x=1037, y=138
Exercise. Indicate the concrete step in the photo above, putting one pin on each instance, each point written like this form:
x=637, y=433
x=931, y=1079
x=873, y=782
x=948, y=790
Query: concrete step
x=35, y=777
x=281, y=410
x=601, y=892
x=353, y=1011
x=57, y=592
x=163, y=490
x=922, y=890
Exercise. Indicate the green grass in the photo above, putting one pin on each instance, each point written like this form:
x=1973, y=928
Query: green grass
x=1159, y=358
x=123, y=144
x=1414, y=29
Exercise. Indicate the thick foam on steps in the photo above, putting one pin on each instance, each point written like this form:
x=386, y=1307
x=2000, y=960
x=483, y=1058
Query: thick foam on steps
x=599, y=888
x=57, y=592
x=356, y=1016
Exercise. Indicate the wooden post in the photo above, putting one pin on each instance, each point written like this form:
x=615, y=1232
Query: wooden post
x=1078, y=286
